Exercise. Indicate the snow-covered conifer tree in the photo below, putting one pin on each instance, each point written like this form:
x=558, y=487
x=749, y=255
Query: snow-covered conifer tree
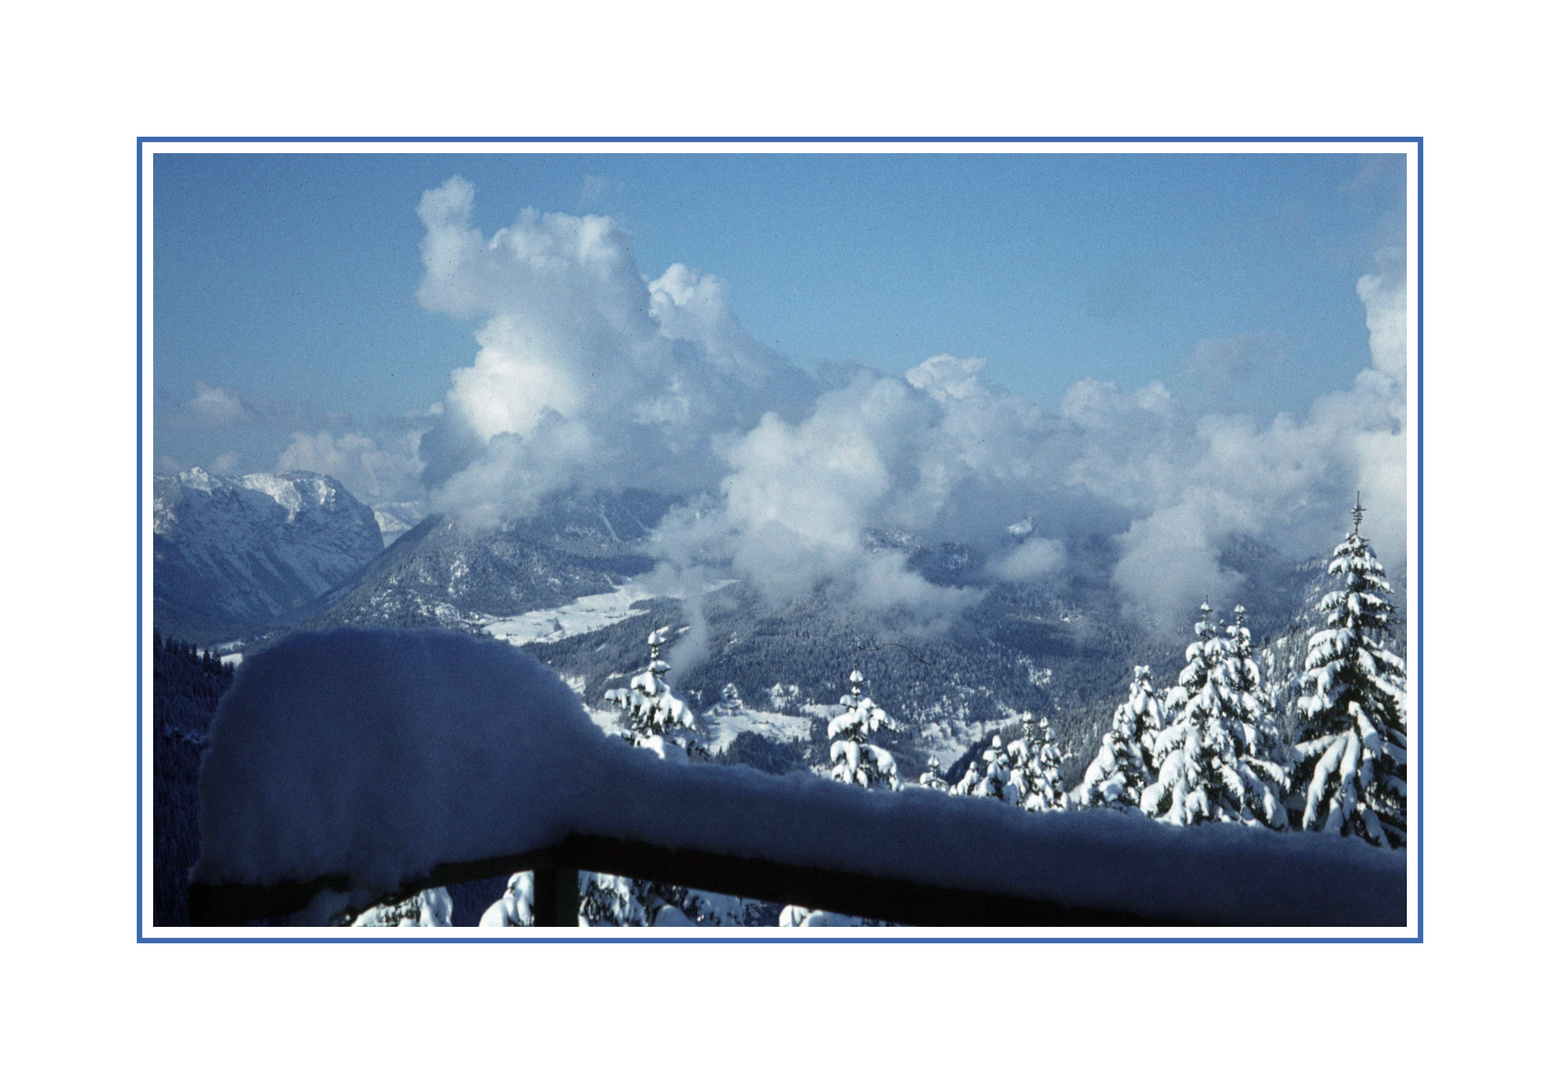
x=1125, y=764
x=932, y=777
x=1250, y=703
x=857, y=761
x=1203, y=774
x=431, y=907
x=967, y=783
x=659, y=720
x=1352, y=737
x=610, y=900
x=656, y=717
x=994, y=781
x=1036, y=779
x=514, y=908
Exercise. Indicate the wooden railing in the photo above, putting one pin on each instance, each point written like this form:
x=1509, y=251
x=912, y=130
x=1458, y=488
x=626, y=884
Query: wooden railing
x=557, y=897
x=561, y=797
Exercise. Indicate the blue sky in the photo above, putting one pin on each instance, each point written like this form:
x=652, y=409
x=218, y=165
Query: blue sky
x=290, y=281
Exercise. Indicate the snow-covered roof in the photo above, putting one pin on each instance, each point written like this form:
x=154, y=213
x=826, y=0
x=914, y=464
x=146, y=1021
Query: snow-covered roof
x=378, y=754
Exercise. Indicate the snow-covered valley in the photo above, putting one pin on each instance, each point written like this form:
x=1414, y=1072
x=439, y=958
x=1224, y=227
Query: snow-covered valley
x=581, y=616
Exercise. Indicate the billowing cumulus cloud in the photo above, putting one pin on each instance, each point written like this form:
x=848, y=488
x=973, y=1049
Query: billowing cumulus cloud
x=799, y=500
x=589, y=373
x=1289, y=483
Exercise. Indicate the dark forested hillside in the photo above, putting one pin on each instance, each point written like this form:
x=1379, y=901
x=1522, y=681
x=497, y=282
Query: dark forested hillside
x=186, y=685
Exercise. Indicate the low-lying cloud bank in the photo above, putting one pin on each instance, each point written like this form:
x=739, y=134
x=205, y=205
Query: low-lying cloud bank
x=591, y=374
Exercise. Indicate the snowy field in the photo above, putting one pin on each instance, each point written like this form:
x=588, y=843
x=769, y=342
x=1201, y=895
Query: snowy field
x=722, y=726
x=949, y=739
x=582, y=616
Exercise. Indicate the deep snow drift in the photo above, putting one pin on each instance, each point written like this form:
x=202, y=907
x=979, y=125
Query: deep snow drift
x=380, y=753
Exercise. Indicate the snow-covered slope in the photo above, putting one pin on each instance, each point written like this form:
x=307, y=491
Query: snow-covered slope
x=236, y=553
x=440, y=574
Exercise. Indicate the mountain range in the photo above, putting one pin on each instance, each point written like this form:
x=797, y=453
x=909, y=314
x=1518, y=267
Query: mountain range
x=250, y=557
x=236, y=554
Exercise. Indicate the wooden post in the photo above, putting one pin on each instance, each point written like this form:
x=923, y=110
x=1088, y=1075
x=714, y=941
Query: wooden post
x=556, y=893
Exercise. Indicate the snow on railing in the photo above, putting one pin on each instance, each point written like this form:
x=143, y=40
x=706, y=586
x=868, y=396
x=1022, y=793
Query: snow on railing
x=371, y=762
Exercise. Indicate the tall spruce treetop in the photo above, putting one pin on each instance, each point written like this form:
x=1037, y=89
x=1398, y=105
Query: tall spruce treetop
x=1352, y=737
x=1202, y=753
x=857, y=761
x=657, y=718
x=1125, y=764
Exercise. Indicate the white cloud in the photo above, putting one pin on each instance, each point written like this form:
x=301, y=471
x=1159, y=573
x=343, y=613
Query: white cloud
x=1032, y=560
x=1290, y=483
x=798, y=499
x=214, y=406
x=372, y=472
x=590, y=373
x=942, y=454
x=587, y=373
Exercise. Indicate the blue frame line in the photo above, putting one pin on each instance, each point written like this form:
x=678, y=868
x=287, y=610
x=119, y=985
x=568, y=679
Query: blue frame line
x=782, y=139
x=142, y=141
x=798, y=940
x=1420, y=658
x=140, y=645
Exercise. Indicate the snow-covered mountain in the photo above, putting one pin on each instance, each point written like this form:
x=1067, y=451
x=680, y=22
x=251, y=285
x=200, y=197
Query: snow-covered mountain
x=439, y=574
x=555, y=584
x=233, y=554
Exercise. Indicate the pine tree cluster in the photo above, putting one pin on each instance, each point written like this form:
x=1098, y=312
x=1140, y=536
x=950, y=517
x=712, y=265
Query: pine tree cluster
x=1220, y=746
x=1214, y=748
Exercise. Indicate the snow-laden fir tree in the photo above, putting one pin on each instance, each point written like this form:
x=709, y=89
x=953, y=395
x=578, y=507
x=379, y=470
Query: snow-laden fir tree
x=515, y=907
x=610, y=900
x=1125, y=764
x=1352, y=733
x=1249, y=701
x=659, y=720
x=1201, y=754
x=655, y=717
x=932, y=777
x=1035, y=779
x=431, y=907
x=994, y=780
x=855, y=759
x=796, y=915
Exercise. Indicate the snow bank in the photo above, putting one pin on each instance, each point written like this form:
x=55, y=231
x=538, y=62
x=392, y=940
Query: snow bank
x=379, y=753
